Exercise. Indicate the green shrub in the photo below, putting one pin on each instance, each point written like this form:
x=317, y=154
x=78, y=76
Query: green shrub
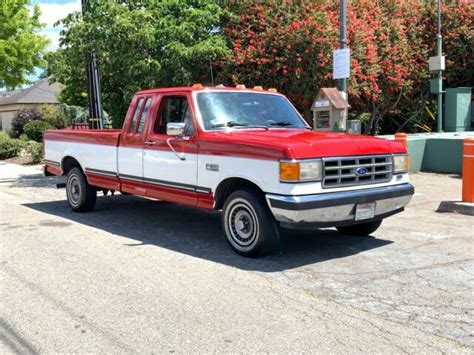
x=35, y=130
x=24, y=137
x=4, y=136
x=54, y=115
x=77, y=114
x=10, y=148
x=35, y=149
x=23, y=117
x=10, y=133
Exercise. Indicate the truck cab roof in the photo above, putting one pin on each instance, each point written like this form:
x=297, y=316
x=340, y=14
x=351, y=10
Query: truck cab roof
x=199, y=87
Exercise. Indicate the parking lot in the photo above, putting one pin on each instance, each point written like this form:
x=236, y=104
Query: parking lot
x=142, y=276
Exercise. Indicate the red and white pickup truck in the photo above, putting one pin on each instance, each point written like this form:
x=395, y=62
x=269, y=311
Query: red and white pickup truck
x=246, y=152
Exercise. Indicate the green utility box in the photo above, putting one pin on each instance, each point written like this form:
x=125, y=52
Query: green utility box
x=457, y=115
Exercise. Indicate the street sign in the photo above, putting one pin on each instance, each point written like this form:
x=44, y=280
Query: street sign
x=341, y=64
x=437, y=63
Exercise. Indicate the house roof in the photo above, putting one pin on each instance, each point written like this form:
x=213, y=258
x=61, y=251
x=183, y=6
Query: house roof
x=5, y=94
x=333, y=95
x=40, y=92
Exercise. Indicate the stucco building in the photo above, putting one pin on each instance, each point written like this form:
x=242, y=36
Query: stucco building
x=39, y=93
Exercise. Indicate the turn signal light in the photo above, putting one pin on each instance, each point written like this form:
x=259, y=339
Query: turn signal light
x=240, y=86
x=258, y=87
x=289, y=171
x=273, y=90
x=198, y=86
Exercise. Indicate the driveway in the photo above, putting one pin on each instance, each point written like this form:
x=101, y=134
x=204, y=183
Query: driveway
x=141, y=276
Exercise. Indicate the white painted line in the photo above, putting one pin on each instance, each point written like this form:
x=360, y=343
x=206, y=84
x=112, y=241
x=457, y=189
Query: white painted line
x=468, y=156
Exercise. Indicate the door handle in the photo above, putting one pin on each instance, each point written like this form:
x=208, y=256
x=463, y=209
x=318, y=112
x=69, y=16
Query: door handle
x=179, y=155
x=150, y=142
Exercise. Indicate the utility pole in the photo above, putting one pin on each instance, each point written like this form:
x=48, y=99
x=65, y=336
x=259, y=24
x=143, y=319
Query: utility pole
x=96, y=113
x=439, y=45
x=343, y=39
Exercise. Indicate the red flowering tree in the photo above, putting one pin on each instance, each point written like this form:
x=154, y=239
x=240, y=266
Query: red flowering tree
x=388, y=57
x=289, y=44
x=279, y=44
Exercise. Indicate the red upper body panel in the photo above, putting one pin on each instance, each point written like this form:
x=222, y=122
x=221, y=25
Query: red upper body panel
x=293, y=144
x=272, y=144
x=103, y=136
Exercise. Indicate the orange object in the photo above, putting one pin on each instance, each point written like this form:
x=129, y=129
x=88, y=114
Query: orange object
x=289, y=171
x=403, y=138
x=468, y=170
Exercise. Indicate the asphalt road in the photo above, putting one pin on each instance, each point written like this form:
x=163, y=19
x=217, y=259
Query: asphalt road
x=140, y=276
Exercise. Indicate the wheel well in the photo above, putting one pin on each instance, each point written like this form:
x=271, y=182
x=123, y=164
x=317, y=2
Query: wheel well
x=68, y=163
x=228, y=186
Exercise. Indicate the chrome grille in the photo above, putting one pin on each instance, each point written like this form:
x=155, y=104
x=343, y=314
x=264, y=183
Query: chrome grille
x=359, y=170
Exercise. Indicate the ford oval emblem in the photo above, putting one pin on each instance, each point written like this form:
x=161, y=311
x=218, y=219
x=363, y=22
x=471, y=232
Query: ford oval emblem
x=362, y=171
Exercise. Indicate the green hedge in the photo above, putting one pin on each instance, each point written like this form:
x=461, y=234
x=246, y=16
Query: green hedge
x=35, y=130
x=9, y=148
x=35, y=149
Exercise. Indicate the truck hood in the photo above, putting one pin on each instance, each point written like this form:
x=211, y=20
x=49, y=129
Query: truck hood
x=303, y=144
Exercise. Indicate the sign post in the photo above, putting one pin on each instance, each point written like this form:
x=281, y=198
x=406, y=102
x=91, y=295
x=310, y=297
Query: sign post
x=342, y=42
x=341, y=64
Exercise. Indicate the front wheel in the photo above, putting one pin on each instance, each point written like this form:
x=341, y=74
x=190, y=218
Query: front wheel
x=360, y=230
x=80, y=195
x=249, y=226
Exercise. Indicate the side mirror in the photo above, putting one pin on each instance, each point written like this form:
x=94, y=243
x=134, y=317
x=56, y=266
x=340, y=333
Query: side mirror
x=176, y=129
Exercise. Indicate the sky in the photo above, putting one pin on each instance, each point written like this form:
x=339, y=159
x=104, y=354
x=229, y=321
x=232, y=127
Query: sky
x=51, y=12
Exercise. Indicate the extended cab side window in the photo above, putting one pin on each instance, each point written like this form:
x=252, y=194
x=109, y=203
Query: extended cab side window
x=144, y=115
x=136, y=114
x=174, y=109
x=140, y=115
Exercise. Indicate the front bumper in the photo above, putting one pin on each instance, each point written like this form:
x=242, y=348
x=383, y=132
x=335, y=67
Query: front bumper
x=338, y=208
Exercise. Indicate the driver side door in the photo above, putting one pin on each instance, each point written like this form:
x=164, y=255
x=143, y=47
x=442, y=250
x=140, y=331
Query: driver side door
x=172, y=175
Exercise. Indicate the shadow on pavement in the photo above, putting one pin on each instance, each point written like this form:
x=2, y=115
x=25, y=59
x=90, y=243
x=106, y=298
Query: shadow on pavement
x=34, y=180
x=14, y=341
x=198, y=233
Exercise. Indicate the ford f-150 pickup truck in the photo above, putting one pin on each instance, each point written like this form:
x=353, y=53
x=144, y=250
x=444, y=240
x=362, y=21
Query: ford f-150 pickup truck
x=247, y=152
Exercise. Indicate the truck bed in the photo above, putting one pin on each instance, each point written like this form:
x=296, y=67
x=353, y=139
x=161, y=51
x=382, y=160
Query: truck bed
x=101, y=137
x=95, y=150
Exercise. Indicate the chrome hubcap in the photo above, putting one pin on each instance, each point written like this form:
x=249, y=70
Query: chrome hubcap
x=242, y=225
x=74, y=190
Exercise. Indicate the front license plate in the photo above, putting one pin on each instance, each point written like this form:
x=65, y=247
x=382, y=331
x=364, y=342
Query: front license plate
x=365, y=211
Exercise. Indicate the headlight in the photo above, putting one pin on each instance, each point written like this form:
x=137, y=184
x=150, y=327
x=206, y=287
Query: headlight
x=400, y=163
x=305, y=170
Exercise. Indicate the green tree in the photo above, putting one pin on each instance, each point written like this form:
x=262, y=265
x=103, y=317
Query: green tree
x=138, y=45
x=21, y=47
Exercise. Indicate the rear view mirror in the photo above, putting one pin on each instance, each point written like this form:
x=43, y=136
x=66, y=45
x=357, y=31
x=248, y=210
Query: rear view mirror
x=176, y=129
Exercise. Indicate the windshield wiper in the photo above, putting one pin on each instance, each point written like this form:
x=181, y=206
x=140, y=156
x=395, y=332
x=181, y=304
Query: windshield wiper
x=281, y=123
x=286, y=124
x=229, y=124
x=237, y=124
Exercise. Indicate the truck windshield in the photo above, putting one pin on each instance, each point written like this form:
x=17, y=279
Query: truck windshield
x=221, y=110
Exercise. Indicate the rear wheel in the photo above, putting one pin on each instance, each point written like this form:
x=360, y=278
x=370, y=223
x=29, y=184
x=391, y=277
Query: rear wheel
x=360, y=230
x=80, y=195
x=250, y=228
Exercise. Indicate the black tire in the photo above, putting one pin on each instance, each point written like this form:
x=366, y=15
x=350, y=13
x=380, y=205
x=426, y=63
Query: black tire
x=360, y=230
x=80, y=195
x=249, y=226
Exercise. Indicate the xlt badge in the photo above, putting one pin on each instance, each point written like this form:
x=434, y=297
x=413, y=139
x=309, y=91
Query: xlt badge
x=212, y=167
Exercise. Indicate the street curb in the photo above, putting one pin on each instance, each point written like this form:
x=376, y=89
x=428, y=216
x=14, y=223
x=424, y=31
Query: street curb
x=465, y=208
